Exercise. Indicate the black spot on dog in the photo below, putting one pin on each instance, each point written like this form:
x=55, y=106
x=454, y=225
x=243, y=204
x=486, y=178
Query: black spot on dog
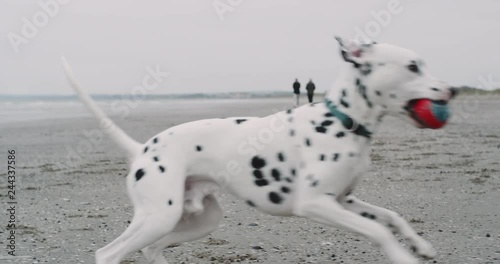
x=308, y=142
x=239, y=121
x=292, y=132
x=156, y=158
x=261, y=182
x=275, y=198
x=366, y=69
x=378, y=93
x=344, y=103
x=330, y=194
x=161, y=168
x=322, y=157
x=285, y=189
x=146, y=149
x=313, y=122
x=328, y=114
x=314, y=183
x=276, y=174
x=258, y=174
x=258, y=163
x=340, y=134
x=281, y=157
x=294, y=172
x=350, y=201
x=435, y=89
x=336, y=157
x=289, y=180
x=155, y=140
x=170, y=202
x=321, y=129
x=199, y=148
x=362, y=91
x=327, y=123
x=250, y=203
x=289, y=111
x=368, y=215
x=393, y=96
x=139, y=174
x=352, y=154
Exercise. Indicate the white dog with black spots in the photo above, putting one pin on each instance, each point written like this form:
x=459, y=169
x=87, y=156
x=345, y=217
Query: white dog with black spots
x=310, y=169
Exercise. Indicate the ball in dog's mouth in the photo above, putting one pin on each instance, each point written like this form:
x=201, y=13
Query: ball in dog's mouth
x=428, y=113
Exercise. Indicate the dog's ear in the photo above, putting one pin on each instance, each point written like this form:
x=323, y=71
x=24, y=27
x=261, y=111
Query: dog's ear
x=353, y=50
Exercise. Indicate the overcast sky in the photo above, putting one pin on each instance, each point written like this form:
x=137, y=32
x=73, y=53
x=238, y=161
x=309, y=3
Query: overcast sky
x=259, y=45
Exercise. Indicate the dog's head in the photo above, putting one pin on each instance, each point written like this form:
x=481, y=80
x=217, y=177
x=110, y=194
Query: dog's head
x=394, y=78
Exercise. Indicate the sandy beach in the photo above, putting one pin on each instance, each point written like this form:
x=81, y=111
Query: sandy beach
x=71, y=197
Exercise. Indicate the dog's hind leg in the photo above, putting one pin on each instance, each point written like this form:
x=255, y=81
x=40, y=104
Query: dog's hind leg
x=392, y=220
x=145, y=230
x=158, y=197
x=190, y=228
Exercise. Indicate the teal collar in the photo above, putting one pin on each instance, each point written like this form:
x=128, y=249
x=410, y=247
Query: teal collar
x=347, y=121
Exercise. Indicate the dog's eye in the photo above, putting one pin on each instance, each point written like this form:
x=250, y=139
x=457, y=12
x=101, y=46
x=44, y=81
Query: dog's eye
x=414, y=68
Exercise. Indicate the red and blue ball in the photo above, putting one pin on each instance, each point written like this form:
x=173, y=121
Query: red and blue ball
x=429, y=113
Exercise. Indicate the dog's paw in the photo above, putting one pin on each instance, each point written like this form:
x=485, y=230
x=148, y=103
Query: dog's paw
x=404, y=259
x=399, y=255
x=424, y=249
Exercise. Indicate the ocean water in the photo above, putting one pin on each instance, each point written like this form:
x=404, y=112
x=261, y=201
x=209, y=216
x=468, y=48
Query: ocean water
x=31, y=108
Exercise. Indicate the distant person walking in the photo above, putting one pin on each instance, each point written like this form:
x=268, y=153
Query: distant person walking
x=310, y=90
x=296, y=92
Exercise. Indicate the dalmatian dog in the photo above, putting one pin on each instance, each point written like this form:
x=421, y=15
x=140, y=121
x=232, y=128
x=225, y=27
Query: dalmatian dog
x=308, y=167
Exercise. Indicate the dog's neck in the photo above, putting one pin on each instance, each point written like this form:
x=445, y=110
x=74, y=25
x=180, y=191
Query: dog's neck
x=352, y=96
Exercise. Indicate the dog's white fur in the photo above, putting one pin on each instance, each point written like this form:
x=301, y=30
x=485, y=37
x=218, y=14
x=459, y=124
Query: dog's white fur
x=302, y=162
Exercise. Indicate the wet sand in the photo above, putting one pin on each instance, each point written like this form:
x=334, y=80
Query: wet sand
x=72, y=200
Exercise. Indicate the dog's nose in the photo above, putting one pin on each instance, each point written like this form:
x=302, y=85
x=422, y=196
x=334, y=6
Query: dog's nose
x=453, y=92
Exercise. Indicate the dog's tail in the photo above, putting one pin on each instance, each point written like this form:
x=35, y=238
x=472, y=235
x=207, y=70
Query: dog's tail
x=124, y=141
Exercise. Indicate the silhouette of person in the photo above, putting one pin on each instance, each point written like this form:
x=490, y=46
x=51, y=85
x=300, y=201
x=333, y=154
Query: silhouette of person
x=310, y=90
x=296, y=92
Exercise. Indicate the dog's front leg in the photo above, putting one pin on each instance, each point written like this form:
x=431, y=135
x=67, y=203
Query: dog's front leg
x=325, y=210
x=393, y=220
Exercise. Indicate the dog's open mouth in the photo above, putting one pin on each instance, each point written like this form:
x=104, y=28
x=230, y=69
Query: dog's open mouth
x=427, y=113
